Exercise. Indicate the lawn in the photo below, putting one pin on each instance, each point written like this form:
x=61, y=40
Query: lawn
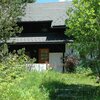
x=51, y=85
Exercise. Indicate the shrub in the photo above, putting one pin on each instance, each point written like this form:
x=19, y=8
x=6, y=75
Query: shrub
x=14, y=65
x=70, y=63
x=80, y=69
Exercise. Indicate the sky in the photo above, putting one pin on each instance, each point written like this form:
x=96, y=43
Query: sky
x=42, y=1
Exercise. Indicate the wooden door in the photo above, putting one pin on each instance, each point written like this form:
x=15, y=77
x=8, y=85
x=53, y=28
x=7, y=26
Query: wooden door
x=43, y=55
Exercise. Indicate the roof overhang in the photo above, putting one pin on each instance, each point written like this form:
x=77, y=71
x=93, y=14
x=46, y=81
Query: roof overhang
x=34, y=40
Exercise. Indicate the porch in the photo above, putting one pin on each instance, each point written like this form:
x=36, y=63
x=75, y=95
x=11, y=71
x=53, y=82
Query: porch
x=47, y=55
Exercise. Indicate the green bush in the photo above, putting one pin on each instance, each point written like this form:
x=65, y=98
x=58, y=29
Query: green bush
x=14, y=66
x=81, y=69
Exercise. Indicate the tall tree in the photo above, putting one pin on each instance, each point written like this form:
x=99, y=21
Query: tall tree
x=84, y=26
x=10, y=11
x=29, y=1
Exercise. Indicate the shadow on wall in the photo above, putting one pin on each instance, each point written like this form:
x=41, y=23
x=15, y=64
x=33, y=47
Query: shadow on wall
x=61, y=91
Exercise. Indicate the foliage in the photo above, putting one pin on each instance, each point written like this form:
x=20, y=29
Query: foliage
x=70, y=63
x=14, y=66
x=84, y=26
x=10, y=12
x=81, y=69
x=27, y=89
x=43, y=86
x=29, y=1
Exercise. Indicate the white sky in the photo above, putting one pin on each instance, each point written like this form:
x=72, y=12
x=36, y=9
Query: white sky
x=61, y=0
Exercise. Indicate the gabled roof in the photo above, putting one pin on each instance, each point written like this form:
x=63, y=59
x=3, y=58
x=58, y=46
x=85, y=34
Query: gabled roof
x=55, y=12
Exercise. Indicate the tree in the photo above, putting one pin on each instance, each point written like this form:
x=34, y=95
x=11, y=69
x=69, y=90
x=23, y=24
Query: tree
x=29, y=1
x=10, y=11
x=84, y=26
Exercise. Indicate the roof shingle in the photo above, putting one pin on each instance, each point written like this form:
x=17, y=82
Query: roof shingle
x=55, y=12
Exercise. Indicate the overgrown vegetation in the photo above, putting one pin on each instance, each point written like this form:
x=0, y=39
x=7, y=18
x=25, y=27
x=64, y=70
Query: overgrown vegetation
x=17, y=83
x=51, y=85
x=13, y=65
x=84, y=27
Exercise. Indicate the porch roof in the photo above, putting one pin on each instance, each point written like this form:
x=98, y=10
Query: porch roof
x=34, y=40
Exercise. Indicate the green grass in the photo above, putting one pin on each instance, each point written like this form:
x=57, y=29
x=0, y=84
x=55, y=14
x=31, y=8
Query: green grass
x=50, y=85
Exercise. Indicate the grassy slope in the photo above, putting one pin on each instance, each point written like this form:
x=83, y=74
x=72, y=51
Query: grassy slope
x=42, y=86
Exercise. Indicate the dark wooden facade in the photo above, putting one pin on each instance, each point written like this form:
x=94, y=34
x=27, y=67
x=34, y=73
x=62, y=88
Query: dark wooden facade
x=54, y=35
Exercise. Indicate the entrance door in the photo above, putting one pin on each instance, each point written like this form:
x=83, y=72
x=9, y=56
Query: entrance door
x=55, y=61
x=43, y=55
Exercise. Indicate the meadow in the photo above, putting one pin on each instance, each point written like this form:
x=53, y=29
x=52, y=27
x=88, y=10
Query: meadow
x=50, y=85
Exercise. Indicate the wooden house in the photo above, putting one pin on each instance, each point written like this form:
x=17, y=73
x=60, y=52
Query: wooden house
x=43, y=33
